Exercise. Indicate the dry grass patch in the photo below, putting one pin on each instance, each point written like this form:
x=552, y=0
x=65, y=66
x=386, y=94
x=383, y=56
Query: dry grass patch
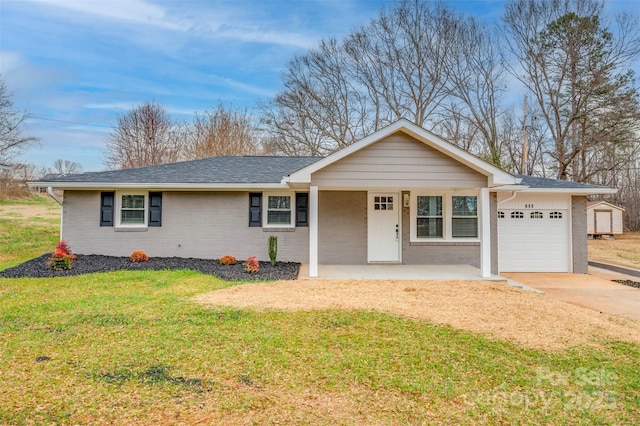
x=623, y=251
x=30, y=212
x=493, y=309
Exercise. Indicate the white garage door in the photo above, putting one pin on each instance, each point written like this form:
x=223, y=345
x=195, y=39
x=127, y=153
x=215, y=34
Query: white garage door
x=533, y=240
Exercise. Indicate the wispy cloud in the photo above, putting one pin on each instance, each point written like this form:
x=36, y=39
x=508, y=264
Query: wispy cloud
x=226, y=81
x=134, y=11
x=257, y=35
x=112, y=106
x=228, y=23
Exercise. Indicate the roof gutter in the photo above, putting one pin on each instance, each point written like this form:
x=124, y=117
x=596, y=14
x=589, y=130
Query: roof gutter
x=159, y=186
x=53, y=195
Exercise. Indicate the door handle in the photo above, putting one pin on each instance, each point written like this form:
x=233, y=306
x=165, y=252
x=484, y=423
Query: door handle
x=397, y=232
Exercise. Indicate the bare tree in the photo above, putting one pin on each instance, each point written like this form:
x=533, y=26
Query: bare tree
x=577, y=70
x=476, y=85
x=66, y=167
x=145, y=136
x=12, y=141
x=321, y=109
x=221, y=131
x=394, y=67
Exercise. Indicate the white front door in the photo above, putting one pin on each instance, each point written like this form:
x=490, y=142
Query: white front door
x=383, y=225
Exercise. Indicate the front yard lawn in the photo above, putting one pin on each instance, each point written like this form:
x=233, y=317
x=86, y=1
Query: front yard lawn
x=134, y=347
x=623, y=251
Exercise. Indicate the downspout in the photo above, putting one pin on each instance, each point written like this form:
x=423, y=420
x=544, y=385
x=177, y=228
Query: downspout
x=513, y=195
x=53, y=195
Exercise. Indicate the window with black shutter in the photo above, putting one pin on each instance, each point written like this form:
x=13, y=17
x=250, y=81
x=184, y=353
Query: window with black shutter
x=155, y=209
x=302, y=209
x=107, y=201
x=255, y=209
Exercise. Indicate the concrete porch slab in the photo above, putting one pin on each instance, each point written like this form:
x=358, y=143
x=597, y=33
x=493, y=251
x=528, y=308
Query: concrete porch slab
x=399, y=272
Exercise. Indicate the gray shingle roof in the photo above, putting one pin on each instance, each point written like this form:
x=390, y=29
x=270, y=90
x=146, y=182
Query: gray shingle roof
x=241, y=170
x=538, y=182
x=226, y=169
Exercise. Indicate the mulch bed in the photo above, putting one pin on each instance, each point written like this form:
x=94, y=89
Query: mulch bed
x=629, y=283
x=88, y=264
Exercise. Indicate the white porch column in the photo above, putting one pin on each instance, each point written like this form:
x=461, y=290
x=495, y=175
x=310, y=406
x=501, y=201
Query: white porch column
x=485, y=233
x=313, y=231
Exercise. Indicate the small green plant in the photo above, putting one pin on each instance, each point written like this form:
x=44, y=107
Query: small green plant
x=251, y=265
x=273, y=249
x=139, y=256
x=61, y=261
x=62, y=258
x=228, y=260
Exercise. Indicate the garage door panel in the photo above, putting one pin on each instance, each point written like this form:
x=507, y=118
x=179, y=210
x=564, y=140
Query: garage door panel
x=533, y=244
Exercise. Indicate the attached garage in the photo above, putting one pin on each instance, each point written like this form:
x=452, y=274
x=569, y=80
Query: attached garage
x=534, y=233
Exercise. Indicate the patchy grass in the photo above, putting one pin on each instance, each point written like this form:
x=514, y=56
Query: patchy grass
x=33, y=199
x=28, y=228
x=623, y=251
x=132, y=348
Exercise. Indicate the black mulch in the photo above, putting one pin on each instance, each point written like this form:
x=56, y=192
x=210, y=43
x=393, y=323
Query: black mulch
x=88, y=264
x=635, y=284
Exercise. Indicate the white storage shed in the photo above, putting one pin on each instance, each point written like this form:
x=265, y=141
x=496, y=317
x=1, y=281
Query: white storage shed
x=604, y=219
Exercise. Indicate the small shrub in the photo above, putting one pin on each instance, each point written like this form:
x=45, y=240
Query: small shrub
x=61, y=261
x=62, y=258
x=63, y=246
x=251, y=265
x=273, y=249
x=227, y=260
x=139, y=256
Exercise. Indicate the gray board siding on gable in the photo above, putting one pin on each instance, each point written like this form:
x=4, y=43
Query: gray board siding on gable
x=194, y=224
x=398, y=161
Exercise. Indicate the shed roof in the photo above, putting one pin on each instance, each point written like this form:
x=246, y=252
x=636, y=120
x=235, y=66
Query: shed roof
x=592, y=204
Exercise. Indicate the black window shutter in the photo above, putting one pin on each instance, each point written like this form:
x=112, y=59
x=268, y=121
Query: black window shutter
x=255, y=209
x=155, y=209
x=107, y=200
x=302, y=209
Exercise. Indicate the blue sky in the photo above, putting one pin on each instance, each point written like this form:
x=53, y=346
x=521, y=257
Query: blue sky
x=84, y=62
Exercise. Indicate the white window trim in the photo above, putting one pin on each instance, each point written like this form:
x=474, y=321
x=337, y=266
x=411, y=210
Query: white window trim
x=265, y=209
x=118, y=210
x=447, y=215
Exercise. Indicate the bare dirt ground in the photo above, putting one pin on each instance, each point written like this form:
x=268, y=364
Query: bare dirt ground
x=623, y=251
x=493, y=309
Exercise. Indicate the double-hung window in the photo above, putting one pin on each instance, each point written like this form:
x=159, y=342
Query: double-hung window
x=444, y=216
x=429, y=217
x=464, y=216
x=279, y=210
x=131, y=209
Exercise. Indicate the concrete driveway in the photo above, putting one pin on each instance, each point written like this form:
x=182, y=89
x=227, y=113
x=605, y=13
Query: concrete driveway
x=594, y=290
